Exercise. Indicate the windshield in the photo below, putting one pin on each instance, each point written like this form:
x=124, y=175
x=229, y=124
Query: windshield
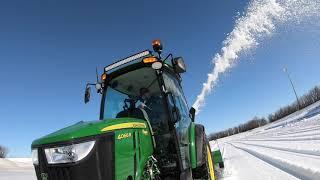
x=136, y=94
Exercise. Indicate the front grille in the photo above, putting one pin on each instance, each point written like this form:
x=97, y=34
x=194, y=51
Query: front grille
x=57, y=173
x=98, y=165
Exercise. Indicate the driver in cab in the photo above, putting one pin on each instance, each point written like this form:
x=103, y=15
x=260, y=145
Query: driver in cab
x=153, y=105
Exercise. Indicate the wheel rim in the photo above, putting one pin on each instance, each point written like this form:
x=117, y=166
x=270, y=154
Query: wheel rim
x=210, y=164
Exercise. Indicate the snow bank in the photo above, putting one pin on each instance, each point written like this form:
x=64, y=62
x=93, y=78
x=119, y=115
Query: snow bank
x=285, y=149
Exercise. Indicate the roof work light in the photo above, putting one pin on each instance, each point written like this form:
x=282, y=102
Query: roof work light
x=150, y=59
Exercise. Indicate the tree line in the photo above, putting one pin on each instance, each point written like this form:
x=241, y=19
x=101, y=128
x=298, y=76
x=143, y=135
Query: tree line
x=307, y=99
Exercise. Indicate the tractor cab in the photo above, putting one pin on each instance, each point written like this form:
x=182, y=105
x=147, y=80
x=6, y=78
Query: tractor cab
x=145, y=130
x=145, y=86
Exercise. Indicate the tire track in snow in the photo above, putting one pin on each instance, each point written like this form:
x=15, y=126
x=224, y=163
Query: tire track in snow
x=301, y=135
x=297, y=130
x=294, y=132
x=284, y=139
x=241, y=165
x=291, y=169
x=253, y=155
x=298, y=152
x=283, y=133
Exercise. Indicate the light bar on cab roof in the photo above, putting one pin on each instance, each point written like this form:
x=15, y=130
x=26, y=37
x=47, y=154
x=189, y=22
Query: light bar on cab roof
x=127, y=60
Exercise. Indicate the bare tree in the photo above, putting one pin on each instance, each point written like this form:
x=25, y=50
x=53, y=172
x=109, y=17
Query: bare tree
x=3, y=151
x=307, y=99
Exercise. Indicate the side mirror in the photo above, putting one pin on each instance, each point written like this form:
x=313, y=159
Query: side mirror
x=192, y=113
x=179, y=65
x=87, y=94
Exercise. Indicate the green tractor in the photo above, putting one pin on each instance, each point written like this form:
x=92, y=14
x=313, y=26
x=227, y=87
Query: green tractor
x=145, y=131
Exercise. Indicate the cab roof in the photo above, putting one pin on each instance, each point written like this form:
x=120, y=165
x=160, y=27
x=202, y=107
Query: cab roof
x=131, y=63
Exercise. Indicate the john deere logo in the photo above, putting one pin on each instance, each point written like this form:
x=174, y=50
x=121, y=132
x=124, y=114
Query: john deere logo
x=44, y=176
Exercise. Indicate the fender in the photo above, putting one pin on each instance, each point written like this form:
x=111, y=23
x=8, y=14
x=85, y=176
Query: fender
x=193, y=155
x=196, y=135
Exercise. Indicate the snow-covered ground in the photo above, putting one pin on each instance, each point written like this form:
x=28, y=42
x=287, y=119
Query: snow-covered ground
x=286, y=149
x=17, y=169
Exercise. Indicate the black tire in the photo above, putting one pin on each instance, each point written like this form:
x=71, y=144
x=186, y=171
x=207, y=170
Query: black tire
x=200, y=141
x=203, y=172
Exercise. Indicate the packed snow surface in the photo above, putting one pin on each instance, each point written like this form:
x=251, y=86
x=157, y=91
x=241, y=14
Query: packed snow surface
x=17, y=169
x=285, y=149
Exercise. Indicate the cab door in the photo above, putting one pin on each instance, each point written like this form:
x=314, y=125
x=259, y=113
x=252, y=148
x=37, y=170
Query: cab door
x=172, y=85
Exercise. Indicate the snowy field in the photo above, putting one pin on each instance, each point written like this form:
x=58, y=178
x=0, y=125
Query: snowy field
x=16, y=169
x=286, y=149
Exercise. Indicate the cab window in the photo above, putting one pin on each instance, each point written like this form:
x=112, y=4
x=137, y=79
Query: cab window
x=182, y=126
x=136, y=94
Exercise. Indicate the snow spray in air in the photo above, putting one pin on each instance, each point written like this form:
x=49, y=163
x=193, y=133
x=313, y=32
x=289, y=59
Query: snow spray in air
x=258, y=21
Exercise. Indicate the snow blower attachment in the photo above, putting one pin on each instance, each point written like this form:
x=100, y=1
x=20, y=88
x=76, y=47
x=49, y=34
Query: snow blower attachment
x=217, y=158
x=217, y=155
x=145, y=130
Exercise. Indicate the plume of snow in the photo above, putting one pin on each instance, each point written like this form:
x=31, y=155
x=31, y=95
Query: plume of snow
x=258, y=21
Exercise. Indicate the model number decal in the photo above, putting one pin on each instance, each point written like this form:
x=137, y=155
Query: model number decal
x=124, y=136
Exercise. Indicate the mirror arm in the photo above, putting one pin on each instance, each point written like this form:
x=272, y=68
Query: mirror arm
x=165, y=59
x=94, y=84
x=90, y=84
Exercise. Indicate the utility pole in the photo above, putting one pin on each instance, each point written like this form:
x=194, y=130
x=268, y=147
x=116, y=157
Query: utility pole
x=294, y=90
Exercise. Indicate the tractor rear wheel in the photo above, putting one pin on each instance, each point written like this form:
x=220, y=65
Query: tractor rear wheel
x=206, y=171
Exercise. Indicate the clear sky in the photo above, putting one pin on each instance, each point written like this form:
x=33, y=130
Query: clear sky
x=49, y=50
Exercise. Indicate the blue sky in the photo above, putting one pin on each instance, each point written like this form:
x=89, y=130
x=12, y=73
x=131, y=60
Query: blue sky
x=49, y=50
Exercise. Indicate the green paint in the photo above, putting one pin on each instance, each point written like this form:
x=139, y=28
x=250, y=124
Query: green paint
x=145, y=148
x=193, y=151
x=81, y=129
x=132, y=150
x=125, y=153
x=217, y=157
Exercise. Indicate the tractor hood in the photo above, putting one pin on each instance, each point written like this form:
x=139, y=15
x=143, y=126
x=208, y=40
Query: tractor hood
x=90, y=128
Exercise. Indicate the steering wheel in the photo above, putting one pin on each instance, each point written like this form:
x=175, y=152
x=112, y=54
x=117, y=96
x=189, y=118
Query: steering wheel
x=132, y=104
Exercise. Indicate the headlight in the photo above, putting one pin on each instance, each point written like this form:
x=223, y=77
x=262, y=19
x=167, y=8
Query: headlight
x=35, y=159
x=70, y=153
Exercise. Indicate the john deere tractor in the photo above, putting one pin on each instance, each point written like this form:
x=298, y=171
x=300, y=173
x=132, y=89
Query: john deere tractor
x=146, y=130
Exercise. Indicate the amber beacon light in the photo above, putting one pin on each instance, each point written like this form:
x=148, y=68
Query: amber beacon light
x=157, y=46
x=103, y=77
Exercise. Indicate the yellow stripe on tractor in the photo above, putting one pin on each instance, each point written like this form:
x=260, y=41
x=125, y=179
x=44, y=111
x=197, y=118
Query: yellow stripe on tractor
x=211, y=169
x=132, y=125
